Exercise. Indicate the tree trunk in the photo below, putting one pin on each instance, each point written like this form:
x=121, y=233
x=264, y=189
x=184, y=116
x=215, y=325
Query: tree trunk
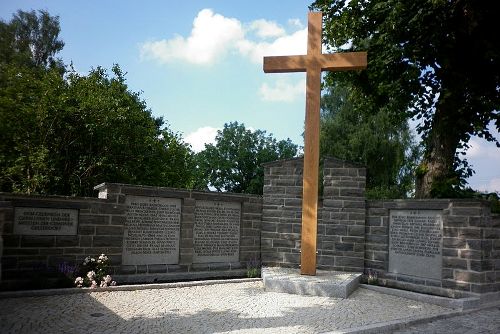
x=437, y=167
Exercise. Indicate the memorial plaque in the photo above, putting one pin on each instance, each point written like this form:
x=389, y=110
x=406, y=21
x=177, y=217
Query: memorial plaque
x=45, y=221
x=416, y=243
x=216, y=231
x=152, y=230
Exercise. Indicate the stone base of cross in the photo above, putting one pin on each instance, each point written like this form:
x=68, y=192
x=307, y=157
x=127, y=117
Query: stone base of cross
x=313, y=64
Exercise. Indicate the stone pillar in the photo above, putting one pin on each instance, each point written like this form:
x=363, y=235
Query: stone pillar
x=282, y=213
x=341, y=231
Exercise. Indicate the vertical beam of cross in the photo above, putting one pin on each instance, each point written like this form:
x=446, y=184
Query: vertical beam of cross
x=312, y=63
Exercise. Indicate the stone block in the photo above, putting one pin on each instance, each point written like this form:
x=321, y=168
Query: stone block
x=469, y=276
x=37, y=241
x=491, y=233
x=352, y=192
x=107, y=241
x=118, y=220
x=73, y=251
x=374, y=221
x=11, y=240
x=380, y=239
x=336, y=230
x=466, y=211
x=344, y=247
x=157, y=268
x=452, y=284
x=454, y=263
x=356, y=230
x=67, y=241
x=455, y=221
x=94, y=220
x=451, y=252
x=109, y=230
x=85, y=241
x=341, y=261
x=453, y=243
x=470, y=254
x=127, y=270
x=469, y=233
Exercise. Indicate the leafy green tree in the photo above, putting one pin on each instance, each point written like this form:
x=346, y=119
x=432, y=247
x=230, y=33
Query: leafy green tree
x=64, y=136
x=369, y=138
x=435, y=60
x=64, y=133
x=31, y=38
x=234, y=163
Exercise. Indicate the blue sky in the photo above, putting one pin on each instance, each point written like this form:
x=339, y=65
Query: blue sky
x=199, y=63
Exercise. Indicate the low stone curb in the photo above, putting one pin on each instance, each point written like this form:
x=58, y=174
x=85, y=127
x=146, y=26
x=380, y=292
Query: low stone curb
x=149, y=286
x=473, y=302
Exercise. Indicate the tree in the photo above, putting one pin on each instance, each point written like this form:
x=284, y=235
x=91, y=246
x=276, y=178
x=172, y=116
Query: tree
x=370, y=138
x=64, y=136
x=234, y=163
x=435, y=60
x=31, y=38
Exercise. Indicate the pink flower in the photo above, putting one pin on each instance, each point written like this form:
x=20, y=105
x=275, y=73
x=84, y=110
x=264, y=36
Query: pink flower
x=94, y=285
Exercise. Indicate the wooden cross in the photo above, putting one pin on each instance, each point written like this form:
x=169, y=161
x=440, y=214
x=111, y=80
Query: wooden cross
x=312, y=63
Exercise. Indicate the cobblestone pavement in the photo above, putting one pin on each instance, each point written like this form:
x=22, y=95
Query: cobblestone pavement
x=486, y=321
x=220, y=308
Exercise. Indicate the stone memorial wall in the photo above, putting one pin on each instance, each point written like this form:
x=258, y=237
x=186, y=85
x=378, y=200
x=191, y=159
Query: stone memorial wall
x=152, y=234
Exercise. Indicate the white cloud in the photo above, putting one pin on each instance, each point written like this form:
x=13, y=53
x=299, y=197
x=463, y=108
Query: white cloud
x=266, y=28
x=493, y=185
x=294, y=44
x=211, y=37
x=200, y=137
x=214, y=35
x=480, y=150
x=296, y=23
x=283, y=91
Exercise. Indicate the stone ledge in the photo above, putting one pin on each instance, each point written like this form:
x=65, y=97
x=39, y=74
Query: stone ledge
x=326, y=283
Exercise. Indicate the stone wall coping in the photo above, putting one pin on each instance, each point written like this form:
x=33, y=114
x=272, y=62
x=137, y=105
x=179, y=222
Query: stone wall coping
x=281, y=162
x=196, y=194
x=300, y=159
x=347, y=163
x=434, y=203
x=9, y=197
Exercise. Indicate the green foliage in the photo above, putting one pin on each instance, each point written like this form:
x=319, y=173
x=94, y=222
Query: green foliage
x=368, y=137
x=234, y=163
x=435, y=61
x=65, y=133
x=64, y=136
x=31, y=38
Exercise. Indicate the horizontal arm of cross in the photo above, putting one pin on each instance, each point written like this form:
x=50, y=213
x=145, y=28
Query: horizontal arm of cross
x=327, y=62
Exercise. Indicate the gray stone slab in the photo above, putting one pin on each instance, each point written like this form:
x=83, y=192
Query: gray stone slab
x=325, y=284
x=45, y=221
x=416, y=243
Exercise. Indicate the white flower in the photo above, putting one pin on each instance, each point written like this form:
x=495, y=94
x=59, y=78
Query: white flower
x=108, y=279
x=102, y=258
x=103, y=284
x=79, y=282
x=91, y=275
x=94, y=285
x=113, y=283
